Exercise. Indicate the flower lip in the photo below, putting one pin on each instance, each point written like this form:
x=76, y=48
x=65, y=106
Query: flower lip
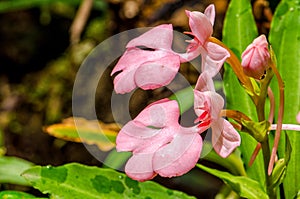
x=158, y=143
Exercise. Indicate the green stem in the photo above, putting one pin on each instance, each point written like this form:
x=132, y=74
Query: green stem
x=265, y=145
x=266, y=154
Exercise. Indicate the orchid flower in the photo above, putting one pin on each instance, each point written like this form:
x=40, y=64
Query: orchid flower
x=147, y=69
x=208, y=105
x=158, y=143
x=213, y=55
x=255, y=58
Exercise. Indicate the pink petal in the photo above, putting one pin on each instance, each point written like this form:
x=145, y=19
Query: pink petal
x=214, y=58
x=139, y=167
x=180, y=155
x=152, y=128
x=131, y=59
x=205, y=82
x=159, y=37
x=161, y=64
x=201, y=102
x=224, y=137
x=255, y=58
x=152, y=75
x=209, y=101
x=193, y=51
x=161, y=113
x=210, y=13
x=124, y=82
x=132, y=135
x=200, y=25
x=261, y=41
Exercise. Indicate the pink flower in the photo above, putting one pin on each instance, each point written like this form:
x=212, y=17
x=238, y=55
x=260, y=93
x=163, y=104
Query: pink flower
x=255, y=58
x=208, y=105
x=147, y=69
x=213, y=55
x=158, y=143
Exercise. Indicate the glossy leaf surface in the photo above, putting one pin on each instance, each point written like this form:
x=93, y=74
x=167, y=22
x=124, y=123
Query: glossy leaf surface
x=79, y=181
x=11, y=168
x=244, y=186
x=238, y=32
x=16, y=195
x=285, y=40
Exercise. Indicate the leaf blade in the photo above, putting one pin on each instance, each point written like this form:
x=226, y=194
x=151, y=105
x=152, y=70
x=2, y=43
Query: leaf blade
x=80, y=181
x=244, y=186
x=238, y=32
x=82, y=130
x=285, y=39
x=11, y=168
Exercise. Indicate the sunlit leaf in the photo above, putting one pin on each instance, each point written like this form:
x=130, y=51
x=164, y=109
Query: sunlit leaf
x=285, y=40
x=11, y=168
x=90, y=132
x=6, y=6
x=244, y=186
x=79, y=181
x=233, y=162
x=15, y=195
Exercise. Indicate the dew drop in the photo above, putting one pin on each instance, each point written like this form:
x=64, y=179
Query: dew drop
x=120, y=177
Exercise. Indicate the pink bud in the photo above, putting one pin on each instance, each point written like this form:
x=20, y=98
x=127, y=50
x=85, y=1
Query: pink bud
x=255, y=58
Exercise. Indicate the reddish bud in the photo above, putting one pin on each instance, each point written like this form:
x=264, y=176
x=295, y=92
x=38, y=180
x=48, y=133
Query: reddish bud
x=255, y=58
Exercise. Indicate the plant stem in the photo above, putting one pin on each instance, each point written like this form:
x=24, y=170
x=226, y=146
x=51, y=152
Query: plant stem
x=236, y=67
x=266, y=154
x=265, y=145
x=280, y=116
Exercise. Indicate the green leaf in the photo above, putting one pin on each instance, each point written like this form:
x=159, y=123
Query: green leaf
x=79, y=181
x=11, y=169
x=279, y=171
x=185, y=98
x=238, y=32
x=15, y=195
x=285, y=40
x=116, y=159
x=6, y=6
x=244, y=186
x=233, y=162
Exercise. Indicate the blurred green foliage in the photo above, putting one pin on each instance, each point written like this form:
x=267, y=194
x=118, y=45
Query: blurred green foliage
x=13, y=5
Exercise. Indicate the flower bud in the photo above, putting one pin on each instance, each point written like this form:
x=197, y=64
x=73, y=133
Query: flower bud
x=255, y=58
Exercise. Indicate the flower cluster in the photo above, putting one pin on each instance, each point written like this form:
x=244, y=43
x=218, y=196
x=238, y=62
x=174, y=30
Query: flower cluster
x=159, y=144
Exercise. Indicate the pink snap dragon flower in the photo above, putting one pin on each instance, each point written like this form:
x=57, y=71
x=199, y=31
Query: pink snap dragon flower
x=158, y=143
x=208, y=105
x=213, y=55
x=255, y=58
x=149, y=68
